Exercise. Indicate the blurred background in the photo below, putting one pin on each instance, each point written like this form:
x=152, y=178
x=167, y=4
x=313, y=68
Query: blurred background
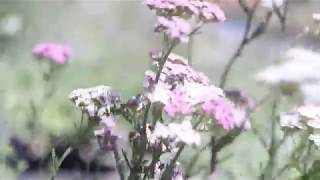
x=110, y=40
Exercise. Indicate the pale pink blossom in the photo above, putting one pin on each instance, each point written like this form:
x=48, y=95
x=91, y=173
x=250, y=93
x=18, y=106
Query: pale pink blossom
x=178, y=103
x=57, y=53
x=183, y=91
x=222, y=111
x=174, y=27
x=207, y=11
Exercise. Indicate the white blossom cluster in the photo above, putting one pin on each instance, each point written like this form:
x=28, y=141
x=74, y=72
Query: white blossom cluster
x=297, y=72
x=173, y=134
x=96, y=101
x=306, y=117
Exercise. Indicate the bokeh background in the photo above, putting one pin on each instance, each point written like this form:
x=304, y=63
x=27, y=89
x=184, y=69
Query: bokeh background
x=110, y=40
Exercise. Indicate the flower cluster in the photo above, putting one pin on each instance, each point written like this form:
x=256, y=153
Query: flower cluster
x=174, y=133
x=100, y=103
x=173, y=16
x=184, y=91
x=299, y=71
x=56, y=53
x=97, y=101
x=304, y=117
x=175, y=27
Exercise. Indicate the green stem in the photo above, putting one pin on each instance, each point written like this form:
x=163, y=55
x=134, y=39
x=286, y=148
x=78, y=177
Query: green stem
x=118, y=161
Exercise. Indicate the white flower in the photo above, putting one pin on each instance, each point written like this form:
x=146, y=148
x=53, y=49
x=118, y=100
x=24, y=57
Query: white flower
x=315, y=123
x=176, y=132
x=270, y=3
x=310, y=92
x=96, y=101
x=309, y=111
x=291, y=120
x=159, y=94
x=316, y=17
x=10, y=25
x=185, y=133
x=299, y=66
x=315, y=138
x=198, y=92
x=160, y=131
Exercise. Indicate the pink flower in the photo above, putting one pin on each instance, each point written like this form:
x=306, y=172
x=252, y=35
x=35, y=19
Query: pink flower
x=205, y=10
x=211, y=12
x=222, y=111
x=55, y=52
x=175, y=27
x=178, y=103
x=226, y=114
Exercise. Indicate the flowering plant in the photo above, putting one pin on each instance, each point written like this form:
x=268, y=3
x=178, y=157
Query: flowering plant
x=179, y=108
x=178, y=102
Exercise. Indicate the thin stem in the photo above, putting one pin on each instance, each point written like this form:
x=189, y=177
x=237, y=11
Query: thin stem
x=194, y=159
x=137, y=163
x=167, y=174
x=118, y=161
x=190, y=50
x=246, y=39
x=268, y=172
x=243, y=43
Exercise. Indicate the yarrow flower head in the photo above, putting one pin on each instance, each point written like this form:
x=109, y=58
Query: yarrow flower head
x=304, y=118
x=56, y=53
x=175, y=27
x=184, y=91
x=297, y=72
x=174, y=15
x=98, y=102
x=174, y=133
x=185, y=8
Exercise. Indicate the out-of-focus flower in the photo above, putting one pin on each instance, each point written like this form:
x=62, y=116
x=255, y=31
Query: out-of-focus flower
x=316, y=17
x=300, y=65
x=175, y=27
x=301, y=118
x=97, y=101
x=57, y=53
x=296, y=73
x=309, y=111
x=270, y=3
x=291, y=120
x=315, y=138
x=10, y=25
